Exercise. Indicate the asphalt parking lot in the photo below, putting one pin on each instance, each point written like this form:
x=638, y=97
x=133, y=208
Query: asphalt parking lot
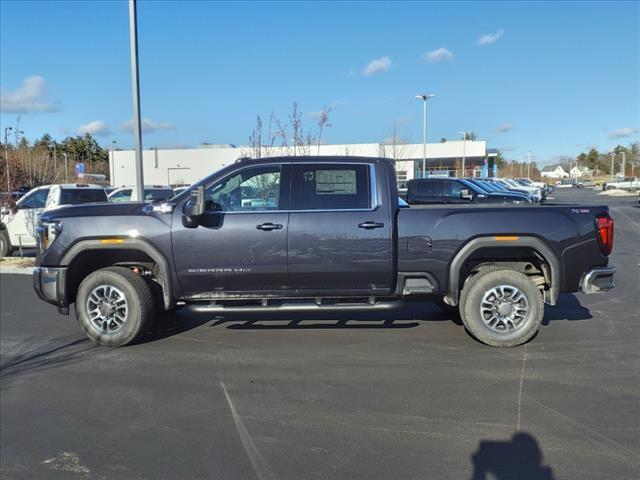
x=405, y=394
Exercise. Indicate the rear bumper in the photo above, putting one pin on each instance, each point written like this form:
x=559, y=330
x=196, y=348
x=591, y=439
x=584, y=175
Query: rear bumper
x=51, y=286
x=598, y=279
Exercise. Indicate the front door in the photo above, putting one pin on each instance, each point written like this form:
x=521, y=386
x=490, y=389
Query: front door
x=339, y=240
x=240, y=244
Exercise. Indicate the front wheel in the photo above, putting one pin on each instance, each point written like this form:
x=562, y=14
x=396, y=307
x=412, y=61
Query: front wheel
x=114, y=306
x=5, y=246
x=502, y=308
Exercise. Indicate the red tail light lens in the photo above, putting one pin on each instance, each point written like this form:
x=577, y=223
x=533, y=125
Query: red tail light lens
x=604, y=232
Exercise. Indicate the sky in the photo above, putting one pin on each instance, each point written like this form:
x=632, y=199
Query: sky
x=554, y=78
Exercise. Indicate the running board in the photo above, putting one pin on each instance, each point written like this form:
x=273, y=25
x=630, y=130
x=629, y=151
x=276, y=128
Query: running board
x=270, y=305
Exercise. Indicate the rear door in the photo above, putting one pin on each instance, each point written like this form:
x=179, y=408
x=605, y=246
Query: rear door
x=340, y=234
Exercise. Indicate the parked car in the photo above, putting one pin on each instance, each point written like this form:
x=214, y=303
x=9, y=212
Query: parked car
x=152, y=193
x=628, y=183
x=18, y=224
x=334, y=238
x=504, y=187
x=519, y=197
x=454, y=190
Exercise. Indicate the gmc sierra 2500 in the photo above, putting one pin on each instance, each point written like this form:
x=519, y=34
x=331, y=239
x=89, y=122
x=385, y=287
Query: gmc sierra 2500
x=275, y=233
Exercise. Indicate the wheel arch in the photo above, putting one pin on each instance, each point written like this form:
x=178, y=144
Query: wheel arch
x=478, y=244
x=89, y=255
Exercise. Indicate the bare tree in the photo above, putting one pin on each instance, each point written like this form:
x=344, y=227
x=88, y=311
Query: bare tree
x=323, y=122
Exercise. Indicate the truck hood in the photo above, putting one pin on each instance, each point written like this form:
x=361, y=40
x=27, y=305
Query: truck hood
x=96, y=209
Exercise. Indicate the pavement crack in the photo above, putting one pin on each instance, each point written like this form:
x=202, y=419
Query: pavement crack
x=520, y=386
x=260, y=466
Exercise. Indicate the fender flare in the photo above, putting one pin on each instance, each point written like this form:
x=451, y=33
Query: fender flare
x=128, y=244
x=489, y=241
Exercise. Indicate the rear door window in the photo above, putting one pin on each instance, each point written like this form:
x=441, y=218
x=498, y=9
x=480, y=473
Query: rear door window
x=331, y=187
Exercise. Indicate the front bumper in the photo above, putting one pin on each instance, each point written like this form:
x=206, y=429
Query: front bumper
x=50, y=283
x=598, y=279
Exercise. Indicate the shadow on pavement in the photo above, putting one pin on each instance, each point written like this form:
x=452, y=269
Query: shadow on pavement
x=517, y=459
x=405, y=316
x=568, y=307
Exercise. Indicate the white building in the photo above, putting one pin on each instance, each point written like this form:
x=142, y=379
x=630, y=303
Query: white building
x=188, y=165
x=578, y=172
x=554, y=171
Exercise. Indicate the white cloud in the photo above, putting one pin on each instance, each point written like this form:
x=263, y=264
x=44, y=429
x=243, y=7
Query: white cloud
x=148, y=126
x=623, y=132
x=438, y=55
x=378, y=65
x=504, y=128
x=96, y=128
x=28, y=97
x=490, y=38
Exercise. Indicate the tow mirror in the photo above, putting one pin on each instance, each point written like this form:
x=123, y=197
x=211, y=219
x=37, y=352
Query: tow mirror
x=193, y=208
x=465, y=194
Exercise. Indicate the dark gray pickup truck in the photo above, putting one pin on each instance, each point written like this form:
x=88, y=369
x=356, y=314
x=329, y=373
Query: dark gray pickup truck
x=316, y=232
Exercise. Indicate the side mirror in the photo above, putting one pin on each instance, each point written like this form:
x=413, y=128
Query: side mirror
x=193, y=208
x=465, y=194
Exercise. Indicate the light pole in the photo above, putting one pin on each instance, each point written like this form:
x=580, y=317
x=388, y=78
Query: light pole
x=464, y=150
x=624, y=166
x=424, y=97
x=6, y=155
x=529, y=166
x=135, y=93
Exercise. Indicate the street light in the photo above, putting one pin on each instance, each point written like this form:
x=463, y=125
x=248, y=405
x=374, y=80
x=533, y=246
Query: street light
x=6, y=154
x=464, y=149
x=424, y=97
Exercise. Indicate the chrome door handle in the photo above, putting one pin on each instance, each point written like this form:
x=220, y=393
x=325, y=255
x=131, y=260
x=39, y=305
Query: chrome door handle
x=370, y=225
x=269, y=226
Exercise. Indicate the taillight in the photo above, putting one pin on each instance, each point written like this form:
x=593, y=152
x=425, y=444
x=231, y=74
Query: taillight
x=604, y=232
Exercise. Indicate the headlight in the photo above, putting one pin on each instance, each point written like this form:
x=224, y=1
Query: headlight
x=47, y=233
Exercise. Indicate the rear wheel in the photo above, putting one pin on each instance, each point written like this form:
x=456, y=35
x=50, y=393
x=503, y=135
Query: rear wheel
x=114, y=306
x=502, y=308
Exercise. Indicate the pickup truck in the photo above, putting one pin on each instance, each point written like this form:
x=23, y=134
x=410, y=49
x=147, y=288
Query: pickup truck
x=316, y=232
x=18, y=223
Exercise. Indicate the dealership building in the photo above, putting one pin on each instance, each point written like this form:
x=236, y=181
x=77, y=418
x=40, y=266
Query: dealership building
x=187, y=165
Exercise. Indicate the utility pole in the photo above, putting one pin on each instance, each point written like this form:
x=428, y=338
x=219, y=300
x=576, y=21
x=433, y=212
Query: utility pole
x=6, y=156
x=138, y=193
x=66, y=169
x=623, y=166
x=613, y=156
x=529, y=166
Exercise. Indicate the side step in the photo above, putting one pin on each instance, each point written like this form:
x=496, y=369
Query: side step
x=297, y=304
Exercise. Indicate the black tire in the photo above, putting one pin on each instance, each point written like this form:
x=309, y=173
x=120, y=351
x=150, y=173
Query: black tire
x=5, y=245
x=501, y=333
x=140, y=310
